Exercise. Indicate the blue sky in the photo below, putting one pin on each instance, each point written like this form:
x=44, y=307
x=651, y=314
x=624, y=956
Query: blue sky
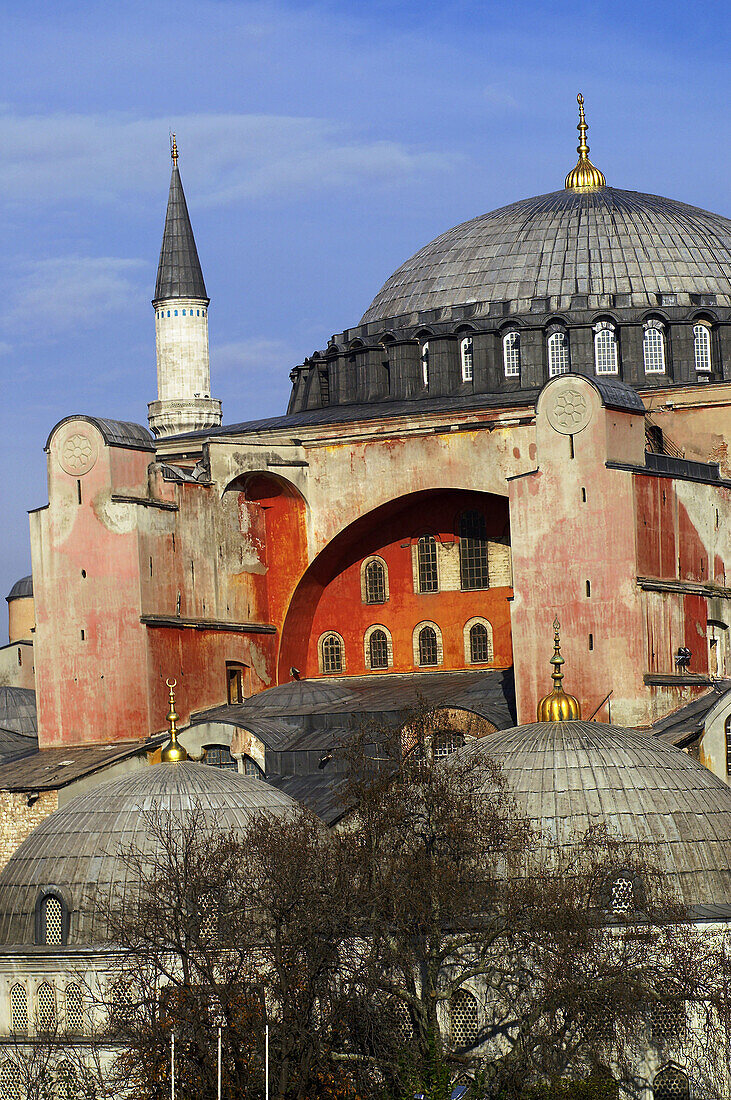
x=321, y=144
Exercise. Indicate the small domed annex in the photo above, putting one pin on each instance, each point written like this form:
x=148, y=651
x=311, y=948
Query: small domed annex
x=75, y=852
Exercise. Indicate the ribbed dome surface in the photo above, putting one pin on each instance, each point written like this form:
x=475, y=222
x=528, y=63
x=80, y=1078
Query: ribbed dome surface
x=570, y=775
x=603, y=242
x=76, y=849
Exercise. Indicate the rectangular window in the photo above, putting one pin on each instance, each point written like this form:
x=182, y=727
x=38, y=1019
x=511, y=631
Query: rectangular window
x=427, y=559
x=235, y=684
x=473, y=551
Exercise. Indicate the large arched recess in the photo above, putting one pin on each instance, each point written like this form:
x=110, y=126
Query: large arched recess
x=272, y=519
x=329, y=595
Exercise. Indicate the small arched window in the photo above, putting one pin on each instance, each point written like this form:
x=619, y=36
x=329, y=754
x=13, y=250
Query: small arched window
x=219, y=756
x=558, y=354
x=467, y=359
x=622, y=894
x=473, y=566
x=378, y=649
x=66, y=1083
x=46, y=1008
x=19, y=1009
x=479, y=644
x=425, y=363
x=702, y=348
x=463, y=1018
x=511, y=354
x=653, y=348
x=426, y=552
x=332, y=653
x=251, y=768
x=74, y=1009
x=671, y=1084
x=375, y=582
x=51, y=920
x=727, y=732
x=606, y=358
x=10, y=1083
x=428, y=654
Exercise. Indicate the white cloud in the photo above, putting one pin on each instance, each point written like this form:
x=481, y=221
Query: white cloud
x=258, y=354
x=102, y=157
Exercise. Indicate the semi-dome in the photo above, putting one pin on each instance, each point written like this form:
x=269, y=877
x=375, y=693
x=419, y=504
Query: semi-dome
x=568, y=776
x=601, y=242
x=75, y=852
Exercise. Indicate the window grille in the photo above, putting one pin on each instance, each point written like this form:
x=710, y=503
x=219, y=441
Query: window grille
x=19, y=1009
x=375, y=582
x=402, y=1021
x=467, y=359
x=667, y=1022
x=52, y=920
x=671, y=1084
x=622, y=895
x=473, y=551
x=463, y=1018
x=209, y=921
x=605, y=350
x=378, y=649
x=727, y=731
x=511, y=354
x=67, y=1084
x=46, y=1007
x=219, y=756
x=558, y=354
x=653, y=350
x=428, y=646
x=425, y=364
x=252, y=768
x=479, y=644
x=332, y=654
x=74, y=1009
x=702, y=348
x=427, y=558
x=444, y=744
x=10, y=1086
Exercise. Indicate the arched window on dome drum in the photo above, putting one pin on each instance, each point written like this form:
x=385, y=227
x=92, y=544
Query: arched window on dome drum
x=653, y=348
x=463, y=1018
x=19, y=1009
x=46, y=1008
x=428, y=646
x=10, y=1082
x=473, y=551
x=622, y=894
x=479, y=644
x=606, y=359
x=467, y=359
x=51, y=920
x=558, y=354
x=671, y=1084
x=426, y=552
x=425, y=364
x=378, y=649
x=375, y=582
x=332, y=653
x=74, y=1009
x=511, y=354
x=702, y=348
x=251, y=768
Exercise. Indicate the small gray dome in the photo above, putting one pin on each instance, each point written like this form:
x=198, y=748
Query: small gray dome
x=76, y=849
x=22, y=589
x=570, y=775
x=565, y=243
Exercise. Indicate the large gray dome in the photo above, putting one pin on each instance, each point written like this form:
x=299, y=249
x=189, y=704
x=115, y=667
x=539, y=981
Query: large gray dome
x=554, y=246
x=77, y=848
x=570, y=775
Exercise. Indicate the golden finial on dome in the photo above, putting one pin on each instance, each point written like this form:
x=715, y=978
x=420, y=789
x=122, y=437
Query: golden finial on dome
x=173, y=149
x=584, y=177
x=558, y=706
x=173, y=752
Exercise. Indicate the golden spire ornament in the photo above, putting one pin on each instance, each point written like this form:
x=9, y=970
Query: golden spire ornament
x=558, y=706
x=173, y=752
x=174, y=149
x=584, y=177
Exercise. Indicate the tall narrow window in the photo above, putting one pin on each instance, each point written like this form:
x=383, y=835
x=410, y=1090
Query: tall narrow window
x=467, y=360
x=653, y=348
x=558, y=354
x=19, y=1009
x=606, y=359
x=46, y=1008
x=702, y=348
x=67, y=1083
x=511, y=354
x=463, y=1018
x=10, y=1082
x=473, y=551
x=727, y=730
x=671, y=1084
x=622, y=894
x=375, y=582
x=332, y=653
x=52, y=921
x=426, y=552
x=428, y=646
x=425, y=364
x=378, y=649
x=479, y=644
x=74, y=1009
x=234, y=683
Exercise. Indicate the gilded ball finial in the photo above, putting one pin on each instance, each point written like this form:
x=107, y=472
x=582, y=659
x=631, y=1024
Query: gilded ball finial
x=173, y=148
x=557, y=706
x=173, y=752
x=585, y=176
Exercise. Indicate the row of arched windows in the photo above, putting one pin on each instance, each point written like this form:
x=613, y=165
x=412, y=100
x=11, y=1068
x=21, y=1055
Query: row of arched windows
x=62, y=1084
x=45, y=1012
x=427, y=647
x=606, y=349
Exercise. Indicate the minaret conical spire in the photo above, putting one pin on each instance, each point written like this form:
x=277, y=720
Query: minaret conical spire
x=179, y=273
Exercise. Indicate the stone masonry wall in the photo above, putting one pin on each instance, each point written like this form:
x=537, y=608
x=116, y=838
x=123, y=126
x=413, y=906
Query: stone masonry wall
x=18, y=819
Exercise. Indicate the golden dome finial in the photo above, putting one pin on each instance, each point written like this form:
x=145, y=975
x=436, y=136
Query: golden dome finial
x=173, y=752
x=557, y=706
x=173, y=149
x=584, y=177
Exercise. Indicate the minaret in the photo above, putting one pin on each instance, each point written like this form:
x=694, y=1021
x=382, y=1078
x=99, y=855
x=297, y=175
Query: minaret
x=184, y=402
